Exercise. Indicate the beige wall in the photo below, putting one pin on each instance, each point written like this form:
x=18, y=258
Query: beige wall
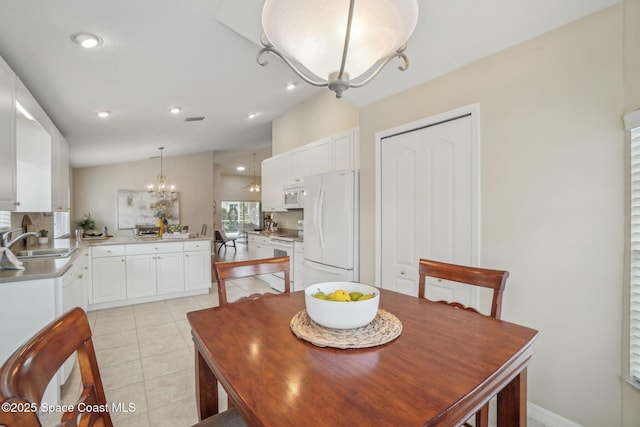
x=631, y=396
x=235, y=187
x=95, y=188
x=311, y=121
x=552, y=199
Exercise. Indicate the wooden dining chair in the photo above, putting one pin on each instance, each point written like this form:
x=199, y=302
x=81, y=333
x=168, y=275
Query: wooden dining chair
x=474, y=276
x=252, y=267
x=25, y=375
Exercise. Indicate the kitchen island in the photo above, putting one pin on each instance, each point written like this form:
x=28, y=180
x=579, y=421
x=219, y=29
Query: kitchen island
x=98, y=274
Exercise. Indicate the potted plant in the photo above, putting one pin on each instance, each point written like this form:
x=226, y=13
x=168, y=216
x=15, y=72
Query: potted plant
x=87, y=223
x=44, y=237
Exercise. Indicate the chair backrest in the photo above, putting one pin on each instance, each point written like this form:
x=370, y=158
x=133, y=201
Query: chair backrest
x=492, y=279
x=252, y=267
x=26, y=374
x=220, y=236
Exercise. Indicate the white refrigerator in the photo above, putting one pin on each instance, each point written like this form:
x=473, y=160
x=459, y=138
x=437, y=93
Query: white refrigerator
x=331, y=227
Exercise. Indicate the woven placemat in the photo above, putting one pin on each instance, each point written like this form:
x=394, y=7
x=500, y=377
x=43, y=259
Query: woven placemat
x=385, y=327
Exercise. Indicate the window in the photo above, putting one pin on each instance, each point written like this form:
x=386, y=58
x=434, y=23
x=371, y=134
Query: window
x=61, y=226
x=632, y=123
x=5, y=220
x=239, y=216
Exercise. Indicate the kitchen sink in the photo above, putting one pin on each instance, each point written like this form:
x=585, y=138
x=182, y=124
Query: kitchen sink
x=44, y=253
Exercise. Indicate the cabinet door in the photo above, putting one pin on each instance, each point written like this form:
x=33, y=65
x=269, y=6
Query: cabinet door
x=7, y=138
x=344, y=151
x=141, y=275
x=59, y=174
x=319, y=157
x=197, y=270
x=109, y=279
x=170, y=268
x=267, y=178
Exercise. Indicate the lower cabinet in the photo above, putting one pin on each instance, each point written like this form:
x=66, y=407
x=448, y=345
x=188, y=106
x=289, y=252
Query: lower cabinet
x=144, y=272
x=109, y=274
x=170, y=273
x=197, y=265
x=298, y=266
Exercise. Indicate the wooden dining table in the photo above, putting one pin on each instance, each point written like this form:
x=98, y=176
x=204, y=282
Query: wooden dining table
x=445, y=365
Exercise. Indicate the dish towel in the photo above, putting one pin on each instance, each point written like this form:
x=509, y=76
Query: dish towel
x=8, y=260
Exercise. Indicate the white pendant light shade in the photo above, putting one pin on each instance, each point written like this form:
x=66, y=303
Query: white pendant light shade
x=316, y=35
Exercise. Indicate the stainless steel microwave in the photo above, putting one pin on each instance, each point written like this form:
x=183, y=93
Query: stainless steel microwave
x=293, y=196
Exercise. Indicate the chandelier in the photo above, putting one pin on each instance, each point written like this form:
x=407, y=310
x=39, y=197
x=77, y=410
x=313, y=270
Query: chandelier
x=254, y=187
x=161, y=189
x=329, y=44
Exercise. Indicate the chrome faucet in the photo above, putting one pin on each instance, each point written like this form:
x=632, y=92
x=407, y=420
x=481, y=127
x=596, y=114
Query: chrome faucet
x=8, y=243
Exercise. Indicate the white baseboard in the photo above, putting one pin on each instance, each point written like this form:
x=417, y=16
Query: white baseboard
x=548, y=418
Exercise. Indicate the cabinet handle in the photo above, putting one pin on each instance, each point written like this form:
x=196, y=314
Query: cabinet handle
x=402, y=273
x=122, y=260
x=17, y=203
x=186, y=255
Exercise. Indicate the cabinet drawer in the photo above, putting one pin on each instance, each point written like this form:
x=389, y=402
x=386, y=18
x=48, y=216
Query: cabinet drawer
x=198, y=245
x=107, y=251
x=154, y=248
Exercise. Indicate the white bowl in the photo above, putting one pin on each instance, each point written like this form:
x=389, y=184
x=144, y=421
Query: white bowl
x=341, y=315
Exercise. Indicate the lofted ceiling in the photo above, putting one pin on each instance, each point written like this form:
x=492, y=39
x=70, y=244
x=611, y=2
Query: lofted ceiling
x=200, y=55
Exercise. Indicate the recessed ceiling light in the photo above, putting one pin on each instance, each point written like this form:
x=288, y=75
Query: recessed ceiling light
x=86, y=40
x=174, y=110
x=240, y=168
x=104, y=114
x=290, y=86
x=252, y=115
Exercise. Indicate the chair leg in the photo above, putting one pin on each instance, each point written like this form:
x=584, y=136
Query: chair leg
x=482, y=416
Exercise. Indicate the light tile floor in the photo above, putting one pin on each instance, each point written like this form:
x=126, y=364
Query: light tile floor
x=145, y=355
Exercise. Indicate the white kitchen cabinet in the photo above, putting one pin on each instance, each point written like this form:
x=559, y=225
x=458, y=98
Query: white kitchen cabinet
x=151, y=272
x=170, y=273
x=33, y=154
x=319, y=157
x=337, y=152
x=345, y=150
x=109, y=276
x=60, y=197
x=154, y=268
x=275, y=175
x=8, y=164
x=141, y=275
x=259, y=247
x=197, y=265
x=298, y=266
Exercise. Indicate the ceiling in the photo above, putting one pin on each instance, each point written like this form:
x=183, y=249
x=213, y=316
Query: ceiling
x=200, y=55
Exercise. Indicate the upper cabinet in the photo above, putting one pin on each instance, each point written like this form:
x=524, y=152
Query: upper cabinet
x=7, y=138
x=60, y=197
x=337, y=152
x=33, y=148
x=34, y=156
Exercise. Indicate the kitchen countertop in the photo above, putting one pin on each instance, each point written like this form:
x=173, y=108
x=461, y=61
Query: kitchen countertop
x=48, y=268
x=292, y=234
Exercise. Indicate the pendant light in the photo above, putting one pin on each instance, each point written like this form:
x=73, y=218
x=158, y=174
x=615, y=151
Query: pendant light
x=254, y=187
x=337, y=43
x=162, y=190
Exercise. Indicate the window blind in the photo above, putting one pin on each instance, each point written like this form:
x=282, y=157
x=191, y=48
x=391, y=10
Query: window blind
x=635, y=256
x=5, y=220
x=61, y=225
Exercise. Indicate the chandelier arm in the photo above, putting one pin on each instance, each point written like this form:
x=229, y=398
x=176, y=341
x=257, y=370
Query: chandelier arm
x=347, y=37
x=397, y=54
x=293, y=67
